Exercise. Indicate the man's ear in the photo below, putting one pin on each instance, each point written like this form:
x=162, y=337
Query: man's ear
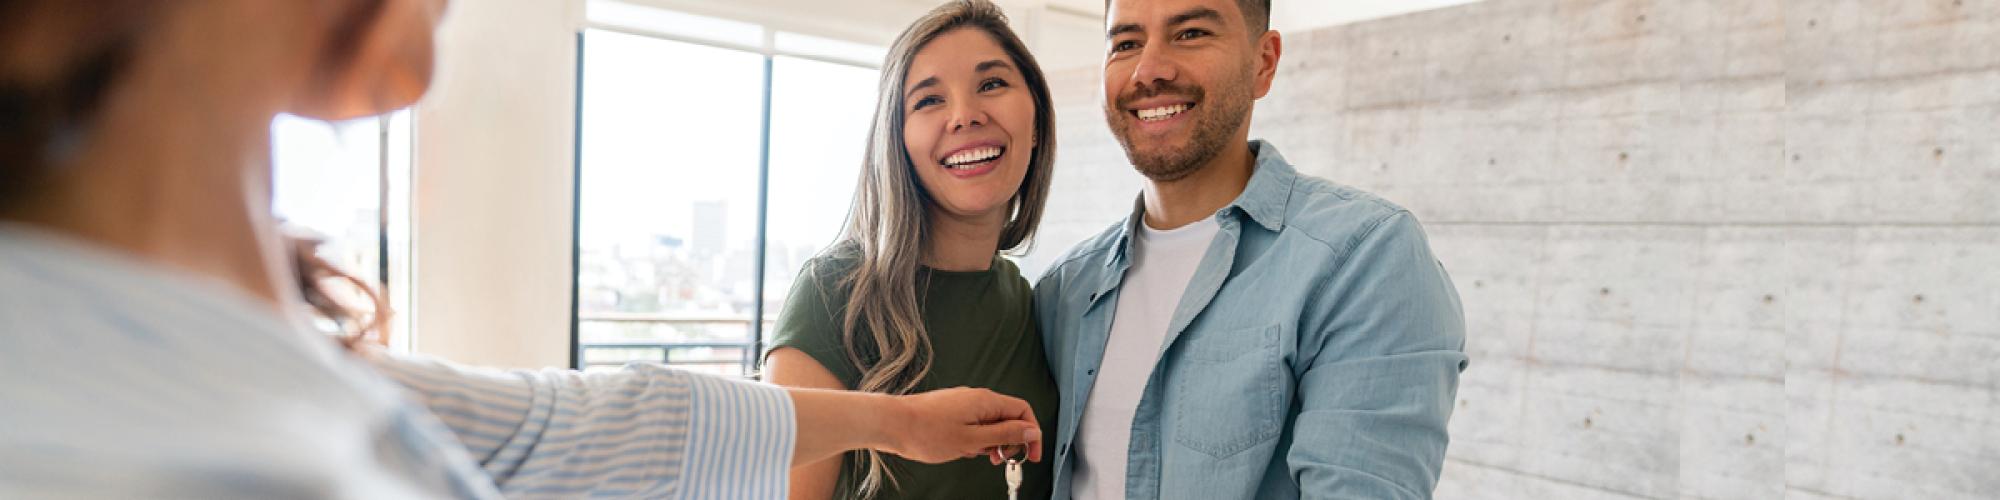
x=1270, y=46
x=379, y=58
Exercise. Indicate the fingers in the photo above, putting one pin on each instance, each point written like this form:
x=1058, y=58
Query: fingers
x=1016, y=426
x=1001, y=407
x=1008, y=408
x=1009, y=433
x=989, y=423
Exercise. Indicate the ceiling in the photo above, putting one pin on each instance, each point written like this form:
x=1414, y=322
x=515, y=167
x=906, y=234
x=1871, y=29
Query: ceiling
x=1287, y=15
x=1093, y=7
x=877, y=21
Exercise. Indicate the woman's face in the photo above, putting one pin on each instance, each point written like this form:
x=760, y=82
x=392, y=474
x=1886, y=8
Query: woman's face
x=968, y=123
x=390, y=66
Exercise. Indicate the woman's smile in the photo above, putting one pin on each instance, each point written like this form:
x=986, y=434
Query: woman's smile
x=973, y=160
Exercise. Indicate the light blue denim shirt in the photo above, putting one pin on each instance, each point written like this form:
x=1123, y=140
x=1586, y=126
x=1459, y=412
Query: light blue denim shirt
x=1315, y=353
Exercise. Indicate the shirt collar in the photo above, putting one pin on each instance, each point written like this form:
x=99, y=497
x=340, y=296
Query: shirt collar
x=1270, y=188
x=1263, y=199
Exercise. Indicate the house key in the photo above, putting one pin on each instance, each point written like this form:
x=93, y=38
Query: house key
x=1013, y=465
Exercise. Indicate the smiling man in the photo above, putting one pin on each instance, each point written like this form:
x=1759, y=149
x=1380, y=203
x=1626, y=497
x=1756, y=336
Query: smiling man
x=1248, y=331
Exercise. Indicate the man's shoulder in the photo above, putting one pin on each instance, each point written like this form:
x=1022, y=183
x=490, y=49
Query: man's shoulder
x=1094, y=249
x=1335, y=214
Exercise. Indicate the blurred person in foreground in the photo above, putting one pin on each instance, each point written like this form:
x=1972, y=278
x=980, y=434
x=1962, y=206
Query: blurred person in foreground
x=153, y=320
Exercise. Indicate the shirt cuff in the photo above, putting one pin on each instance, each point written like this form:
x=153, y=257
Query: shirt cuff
x=740, y=440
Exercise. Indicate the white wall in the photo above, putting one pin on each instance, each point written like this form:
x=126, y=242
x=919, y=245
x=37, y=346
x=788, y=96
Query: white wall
x=1060, y=37
x=872, y=21
x=1296, y=15
x=493, y=203
x=1061, y=34
x=1071, y=32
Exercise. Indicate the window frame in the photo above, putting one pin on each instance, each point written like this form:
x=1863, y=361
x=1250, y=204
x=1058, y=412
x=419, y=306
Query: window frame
x=395, y=146
x=769, y=50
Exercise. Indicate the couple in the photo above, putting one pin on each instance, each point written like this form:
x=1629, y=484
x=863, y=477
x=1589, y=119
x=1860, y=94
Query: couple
x=1247, y=332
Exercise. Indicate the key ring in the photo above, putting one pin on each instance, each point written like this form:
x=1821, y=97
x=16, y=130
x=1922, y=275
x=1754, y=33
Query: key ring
x=1010, y=458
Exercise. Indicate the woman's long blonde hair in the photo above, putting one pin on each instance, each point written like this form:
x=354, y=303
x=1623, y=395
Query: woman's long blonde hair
x=332, y=293
x=888, y=225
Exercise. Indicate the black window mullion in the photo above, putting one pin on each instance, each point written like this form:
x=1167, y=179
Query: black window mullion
x=755, y=355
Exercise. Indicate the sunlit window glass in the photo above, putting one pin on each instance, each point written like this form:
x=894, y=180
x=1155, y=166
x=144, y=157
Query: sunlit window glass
x=667, y=252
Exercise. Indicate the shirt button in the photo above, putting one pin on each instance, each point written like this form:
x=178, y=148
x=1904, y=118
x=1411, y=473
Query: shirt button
x=1064, y=450
x=1092, y=371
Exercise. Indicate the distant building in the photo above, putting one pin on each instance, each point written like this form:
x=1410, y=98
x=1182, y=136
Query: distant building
x=711, y=229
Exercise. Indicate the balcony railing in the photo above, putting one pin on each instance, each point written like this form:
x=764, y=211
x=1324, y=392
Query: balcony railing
x=684, y=347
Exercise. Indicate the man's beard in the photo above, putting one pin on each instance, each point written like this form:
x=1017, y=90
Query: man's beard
x=1216, y=121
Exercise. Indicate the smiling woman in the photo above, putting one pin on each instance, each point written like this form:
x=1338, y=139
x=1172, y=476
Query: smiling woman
x=915, y=296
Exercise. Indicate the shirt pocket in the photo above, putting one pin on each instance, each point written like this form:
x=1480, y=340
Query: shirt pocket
x=1225, y=390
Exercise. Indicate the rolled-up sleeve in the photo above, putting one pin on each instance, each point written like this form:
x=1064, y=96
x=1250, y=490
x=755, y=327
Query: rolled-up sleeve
x=1377, y=392
x=642, y=431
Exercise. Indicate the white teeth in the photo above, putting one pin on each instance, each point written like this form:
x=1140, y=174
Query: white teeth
x=1162, y=113
x=964, y=159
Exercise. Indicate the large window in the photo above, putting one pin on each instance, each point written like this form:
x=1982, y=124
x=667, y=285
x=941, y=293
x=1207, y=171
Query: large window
x=817, y=145
x=715, y=158
x=347, y=184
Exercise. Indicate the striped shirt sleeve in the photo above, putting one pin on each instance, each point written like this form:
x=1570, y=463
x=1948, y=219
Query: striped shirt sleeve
x=644, y=431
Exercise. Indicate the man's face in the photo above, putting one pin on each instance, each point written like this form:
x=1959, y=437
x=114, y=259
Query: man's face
x=1180, y=77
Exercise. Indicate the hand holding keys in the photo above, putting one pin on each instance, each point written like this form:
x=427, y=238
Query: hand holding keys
x=949, y=424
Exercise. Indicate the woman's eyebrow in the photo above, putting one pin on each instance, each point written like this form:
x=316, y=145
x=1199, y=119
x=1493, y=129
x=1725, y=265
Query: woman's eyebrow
x=926, y=83
x=988, y=65
x=981, y=68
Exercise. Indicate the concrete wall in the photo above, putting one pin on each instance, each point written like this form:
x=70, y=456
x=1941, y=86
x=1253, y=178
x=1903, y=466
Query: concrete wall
x=1707, y=248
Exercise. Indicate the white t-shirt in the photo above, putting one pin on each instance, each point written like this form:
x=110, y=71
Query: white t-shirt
x=1162, y=264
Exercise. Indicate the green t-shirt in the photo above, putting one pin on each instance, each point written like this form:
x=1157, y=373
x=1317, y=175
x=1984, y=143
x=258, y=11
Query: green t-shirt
x=982, y=332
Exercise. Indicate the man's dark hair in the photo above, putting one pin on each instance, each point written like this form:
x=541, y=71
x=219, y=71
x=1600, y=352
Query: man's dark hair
x=1256, y=14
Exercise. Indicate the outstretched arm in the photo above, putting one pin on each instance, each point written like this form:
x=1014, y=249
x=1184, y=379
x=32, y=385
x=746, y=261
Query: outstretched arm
x=790, y=367
x=648, y=429
x=934, y=427
x=645, y=430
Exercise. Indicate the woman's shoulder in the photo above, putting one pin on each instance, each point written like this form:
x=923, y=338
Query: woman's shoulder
x=818, y=297
x=833, y=263
x=1009, y=279
x=826, y=278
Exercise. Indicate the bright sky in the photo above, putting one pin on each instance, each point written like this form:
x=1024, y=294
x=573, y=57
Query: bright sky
x=666, y=125
x=325, y=173
x=669, y=124
x=820, y=133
